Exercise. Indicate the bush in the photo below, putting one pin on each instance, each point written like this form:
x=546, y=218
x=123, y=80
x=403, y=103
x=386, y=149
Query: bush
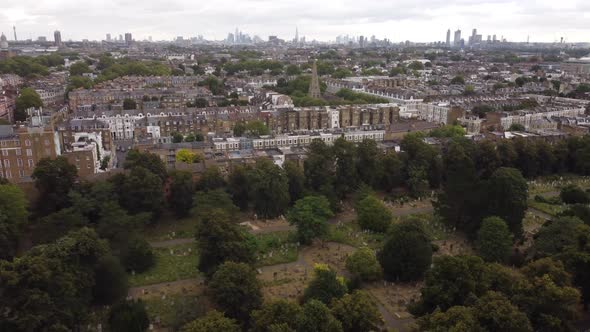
x=364, y=265
x=373, y=214
x=573, y=194
x=139, y=256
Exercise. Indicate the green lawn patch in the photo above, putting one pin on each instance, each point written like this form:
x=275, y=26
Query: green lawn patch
x=175, y=310
x=173, y=263
x=276, y=248
x=551, y=209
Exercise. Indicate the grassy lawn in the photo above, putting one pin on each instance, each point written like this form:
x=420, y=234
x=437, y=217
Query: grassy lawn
x=178, y=265
x=352, y=235
x=434, y=226
x=276, y=248
x=175, y=310
x=551, y=209
x=556, y=182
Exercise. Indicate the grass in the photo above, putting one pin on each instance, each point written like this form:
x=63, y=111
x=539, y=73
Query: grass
x=352, y=235
x=282, y=245
x=179, y=265
x=175, y=310
x=169, y=228
x=434, y=227
x=556, y=182
x=550, y=209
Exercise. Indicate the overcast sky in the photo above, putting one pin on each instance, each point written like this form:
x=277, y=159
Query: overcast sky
x=398, y=20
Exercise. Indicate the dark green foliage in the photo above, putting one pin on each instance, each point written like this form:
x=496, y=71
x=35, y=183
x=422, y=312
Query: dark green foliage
x=369, y=162
x=13, y=219
x=27, y=98
x=364, y=265
x=310, y=215
x=275, y=313
x=149, y=161
x=211, y=179
x=213, y=321
x=373, y=214
x=325, y=285
x=138, y=256
x=407, y=252
x=559, y=235
x=357, y=312
x=142, y=191
x=238, y=186
x=54, y=178
x=347, y=178
x=206, y=201
x=269, y=189
x=110, y=281
x=507, y=198
x=317, y=317
x=318, y=166
x=494, y=240
x=220, y=240
x=573, y=194
x=296, y=180
x=236, y=290
x=128, y=316
x=129, y=104
x=359, y=97
x=181, y=190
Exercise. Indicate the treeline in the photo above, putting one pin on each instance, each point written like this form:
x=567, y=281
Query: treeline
x=254, y=67
x=26, y=66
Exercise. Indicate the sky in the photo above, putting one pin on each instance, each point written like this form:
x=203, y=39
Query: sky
x=397, y=20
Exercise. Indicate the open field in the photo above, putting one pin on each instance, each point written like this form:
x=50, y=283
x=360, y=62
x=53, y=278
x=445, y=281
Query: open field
x=173, y=263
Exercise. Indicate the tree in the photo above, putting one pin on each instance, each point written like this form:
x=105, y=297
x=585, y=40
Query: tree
x=275, y=313
x=516, y=127
x=392, y=175
x=129, y=104
x=239, y=186
x=141, y=191
x=459, y=80
x=206, y=201
x=214, y=321
x=507, y=198
x=407, y=252
x=211, y=179
x=558, y=235
x=177, y=137
x=373, y=215
x=236, y=290
x=368, y=164
x=219, y=240
x=494, y=240
x=364, y=265
x=495, y=312
x=573, y=194
x=79, y=68
x=110, y=281
x=316, y=317
x=13, y=218
x=129, y=316
x=138, y=256
x=319, y=166
x=181, y=190
x=54, y=178
x=269, y=189
x=310, y=215
x=186, y=156
x=325, y=285
x=347, y=178
x=27, y=98
x=457, y=319
x=296, y=180
x=357, y=312
x=147, y=160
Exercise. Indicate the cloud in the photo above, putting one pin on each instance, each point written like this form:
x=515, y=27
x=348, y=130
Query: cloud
x=398, y=20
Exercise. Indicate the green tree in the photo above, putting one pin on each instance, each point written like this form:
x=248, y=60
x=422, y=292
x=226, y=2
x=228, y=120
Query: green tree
x=149, y=161
x=407, y=252
x=368, y=164
x=494, y=240
x=236, y=290
x=27, y=98
x=220, y=240
x=495, y=312
x=357, y=312
x=393, y=174
x=129, y=104
x=310, y=215
x=449, y=131
x=129, y=316
x=211, y=179
x=138, y=255
x=206, y=201
x=142, y=191
x=516, y=127
x=573, y=194
x=316, y=317
x=239, y=186
x=13, y=218
x=180, y=197
x=319, y=166
x=214, y=321
x=363, y=264
x=177, y=137
x=79, y=68
x=458, y=80
x=555, y=237
x=275, y=313
x=325, y=285
x=373, y=215
x=296, y=180
x=507, y=194
x=269, y=189
x=456, y=319
x=110, y=281
x=54, y=178
x=346, y=179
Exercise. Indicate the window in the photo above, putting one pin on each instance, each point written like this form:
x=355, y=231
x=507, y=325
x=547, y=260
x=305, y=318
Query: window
x=19, y=162
x=8, y=174
x=5, y=153
x=29, y=152
x=6, y=163
x=19, y=152
x=27, y=142
x=21, y=173
x=31, y=163
x=46, y=142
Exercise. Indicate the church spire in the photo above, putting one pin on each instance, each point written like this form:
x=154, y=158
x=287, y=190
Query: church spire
x=314, y=85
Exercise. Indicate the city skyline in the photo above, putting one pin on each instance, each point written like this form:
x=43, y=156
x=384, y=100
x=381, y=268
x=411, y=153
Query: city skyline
x=399, y=21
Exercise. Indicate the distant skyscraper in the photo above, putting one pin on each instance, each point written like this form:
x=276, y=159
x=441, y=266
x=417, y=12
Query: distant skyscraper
x=3, y=42
x=457, y=39
x=57, y=38
x=108, y=37
x=14, y=29
x=128, y=38
x=296, y=40
x=314, y=85
x=449, y=38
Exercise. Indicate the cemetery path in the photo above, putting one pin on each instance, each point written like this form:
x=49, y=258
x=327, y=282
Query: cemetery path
x=540, y=214
x=164, y=287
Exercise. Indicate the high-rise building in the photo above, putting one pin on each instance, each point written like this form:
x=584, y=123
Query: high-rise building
x=128, y=38
x=457, y=39
x=57, y=38
x=108, y=37
x=449, y=38
x=296, y=40
x=314, y=85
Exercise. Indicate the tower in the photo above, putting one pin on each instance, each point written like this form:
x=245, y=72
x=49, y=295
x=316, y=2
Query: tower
x=314, y=85
x=14, y=29
x=3, y=42
x=296, y=35
x=57, y=38
x=457, y=39
x=448, y=38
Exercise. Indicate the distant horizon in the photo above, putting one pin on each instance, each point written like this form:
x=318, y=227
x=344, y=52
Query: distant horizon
x=427, y=21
